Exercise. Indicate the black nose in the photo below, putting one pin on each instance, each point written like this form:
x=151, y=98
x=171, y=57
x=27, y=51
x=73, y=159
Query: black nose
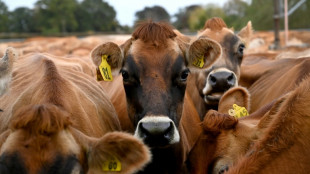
x=156, y=133
x=222, y=80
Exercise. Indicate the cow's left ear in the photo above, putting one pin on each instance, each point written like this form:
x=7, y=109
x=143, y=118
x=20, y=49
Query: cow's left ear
x=236, y=95
x=202, y=53
x=112, y=51
x=246, y=32
x=115, y=152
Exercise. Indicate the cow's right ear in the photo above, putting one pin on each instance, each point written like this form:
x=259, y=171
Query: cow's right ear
x=112, y=51
x=203, y=52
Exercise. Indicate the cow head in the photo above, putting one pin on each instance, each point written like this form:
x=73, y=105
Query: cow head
x=225, y=72
x=40, y=139
x=228, y=138
x=155, y=64
x=6, y=67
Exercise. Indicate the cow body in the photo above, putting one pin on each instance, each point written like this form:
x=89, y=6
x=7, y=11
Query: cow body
x=57, y=119
x=206, y=87
x=154, y=65
x=267, y=80
x=273, y=139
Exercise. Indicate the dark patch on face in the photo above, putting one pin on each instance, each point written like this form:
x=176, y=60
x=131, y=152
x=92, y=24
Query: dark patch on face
x=62, y=165
x=147, y=98
x=12, y=164
x=234, y=56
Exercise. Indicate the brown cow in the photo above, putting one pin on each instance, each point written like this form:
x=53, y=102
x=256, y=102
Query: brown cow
x=206, y=87
x=154, y=65
x=6, y=66
x=274, y=139
x=267, y=80
x=57, y=119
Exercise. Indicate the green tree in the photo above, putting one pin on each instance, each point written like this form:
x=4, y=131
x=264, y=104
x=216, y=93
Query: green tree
x=3, y=17
x=56, y=16
x=198, y=17
x=260, y=12
x=299, y=18
x=156, y=13
x=96, y=15
x=182, y=17
x=235, y=13
x=21, y=20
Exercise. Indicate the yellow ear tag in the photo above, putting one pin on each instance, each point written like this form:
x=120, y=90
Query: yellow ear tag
x=199, y=62
x=112, y=165
x=238, y=111
x=105, y=69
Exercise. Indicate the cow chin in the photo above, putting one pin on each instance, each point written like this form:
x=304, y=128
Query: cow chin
x=157, y=131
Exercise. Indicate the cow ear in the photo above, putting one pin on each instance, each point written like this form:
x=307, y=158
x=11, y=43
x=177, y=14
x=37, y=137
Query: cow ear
x=6, y=68
x=112, y=51
x=236, y=95
x=203, y=52
x=123, y=151
x=246, y=32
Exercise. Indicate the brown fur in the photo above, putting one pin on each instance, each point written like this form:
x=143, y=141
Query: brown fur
x=49, y=99
x=154, y=49
x=40, y=119
x=230, y=61
x=272, y=139
x=283, y=147
x=268, y=80
x=155, y=33
x=215, y=24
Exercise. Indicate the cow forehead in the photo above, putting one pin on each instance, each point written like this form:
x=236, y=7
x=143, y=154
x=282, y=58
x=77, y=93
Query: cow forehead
x=218, y=35
x=34, y=151
x=154, y=55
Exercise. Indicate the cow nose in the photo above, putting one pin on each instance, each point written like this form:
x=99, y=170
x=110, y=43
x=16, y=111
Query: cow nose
x=222, y=80
x=157, y=133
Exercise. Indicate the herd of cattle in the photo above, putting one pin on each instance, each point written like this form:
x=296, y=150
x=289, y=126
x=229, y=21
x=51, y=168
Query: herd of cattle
x=167, y=109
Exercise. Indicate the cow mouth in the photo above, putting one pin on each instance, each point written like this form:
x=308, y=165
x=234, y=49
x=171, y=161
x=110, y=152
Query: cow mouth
x=213, y=98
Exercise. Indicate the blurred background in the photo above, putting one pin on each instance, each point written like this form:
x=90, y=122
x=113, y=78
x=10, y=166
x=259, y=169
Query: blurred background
x=62, y=17
x=97, y=21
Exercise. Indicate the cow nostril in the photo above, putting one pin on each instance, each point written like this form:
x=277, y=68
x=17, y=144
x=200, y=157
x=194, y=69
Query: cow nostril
x=212, y=79
x=230, y=78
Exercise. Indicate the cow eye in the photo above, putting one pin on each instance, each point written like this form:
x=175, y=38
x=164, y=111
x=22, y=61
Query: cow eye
x=125, y=74
x=241, y=48
x=184, y=74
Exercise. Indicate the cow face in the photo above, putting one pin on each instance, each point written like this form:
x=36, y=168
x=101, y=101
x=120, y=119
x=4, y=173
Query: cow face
x=155, y=64
x=225, y=72
x=41, y=140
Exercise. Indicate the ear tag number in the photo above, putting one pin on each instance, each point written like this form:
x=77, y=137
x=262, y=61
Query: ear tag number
x=112, y=165
x=105, y=69
x=199, y=62
x=238, y=111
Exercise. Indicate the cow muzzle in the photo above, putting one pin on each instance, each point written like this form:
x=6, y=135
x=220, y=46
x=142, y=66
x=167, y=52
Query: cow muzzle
x=157, y=131
x=218, y=81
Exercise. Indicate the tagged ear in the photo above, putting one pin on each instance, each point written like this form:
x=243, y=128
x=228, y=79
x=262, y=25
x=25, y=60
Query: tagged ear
x=125, y=152
x=203, y=52
x=236, y=95
x=129, y=152
x=246, y=32
x=113, y=52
